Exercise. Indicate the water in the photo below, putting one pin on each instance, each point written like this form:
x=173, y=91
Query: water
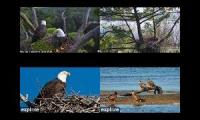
x=169, y=108
x=126, y=78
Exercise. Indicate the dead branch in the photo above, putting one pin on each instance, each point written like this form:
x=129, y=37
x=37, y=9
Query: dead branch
x=27, y=21
x=26, y=101
x=84, y=39
x=169, y=33
x=79, y=38
x=34, y=17
x=64, y=21
x=130, y=30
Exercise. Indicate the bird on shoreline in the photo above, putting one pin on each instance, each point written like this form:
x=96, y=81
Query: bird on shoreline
x=112, y=97
x=136, y=97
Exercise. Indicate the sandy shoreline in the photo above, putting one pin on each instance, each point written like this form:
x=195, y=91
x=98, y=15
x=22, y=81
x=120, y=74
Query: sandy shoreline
x=169, y=97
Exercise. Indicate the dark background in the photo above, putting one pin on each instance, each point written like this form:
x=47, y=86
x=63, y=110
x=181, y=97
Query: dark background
x=184, y=60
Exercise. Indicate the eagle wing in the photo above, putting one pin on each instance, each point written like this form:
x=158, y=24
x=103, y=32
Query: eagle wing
x=40, y=32
x=51, y=89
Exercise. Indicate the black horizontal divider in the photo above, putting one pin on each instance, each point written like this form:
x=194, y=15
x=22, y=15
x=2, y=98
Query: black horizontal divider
x=86, y=116
x=100, y=3
x=98, y=59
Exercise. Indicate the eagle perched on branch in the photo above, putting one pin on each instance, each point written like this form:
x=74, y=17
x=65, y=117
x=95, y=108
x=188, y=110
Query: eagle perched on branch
x=40, y=31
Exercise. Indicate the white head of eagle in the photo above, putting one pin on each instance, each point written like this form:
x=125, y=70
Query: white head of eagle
x=60, y=33
x=58, y=38
x=54, y=87
x=62, y=76
x=43, y=22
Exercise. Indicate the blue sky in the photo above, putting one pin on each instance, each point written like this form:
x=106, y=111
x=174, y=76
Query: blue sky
x=83, y=79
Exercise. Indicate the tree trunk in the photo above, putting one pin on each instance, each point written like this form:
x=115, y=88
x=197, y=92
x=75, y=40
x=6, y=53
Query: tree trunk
x=140, y=41
x=138, y=25
x=34, y=17
x=154, y=25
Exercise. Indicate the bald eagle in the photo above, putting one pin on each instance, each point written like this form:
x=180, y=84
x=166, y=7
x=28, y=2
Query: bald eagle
x=40, y=31
x=58, y=38
x=54, y=88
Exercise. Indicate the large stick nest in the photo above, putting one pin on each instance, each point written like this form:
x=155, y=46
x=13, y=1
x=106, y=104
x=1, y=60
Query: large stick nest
x=69, y=104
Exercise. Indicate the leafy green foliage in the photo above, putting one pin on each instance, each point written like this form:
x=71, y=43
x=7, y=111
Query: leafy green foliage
x=41, y=45
x=119, y=32
x=111, y=43
x=72, y=35
x=51, y=30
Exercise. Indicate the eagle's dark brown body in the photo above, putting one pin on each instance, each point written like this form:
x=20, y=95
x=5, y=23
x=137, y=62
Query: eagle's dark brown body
x=51, y=89
x=39, y=33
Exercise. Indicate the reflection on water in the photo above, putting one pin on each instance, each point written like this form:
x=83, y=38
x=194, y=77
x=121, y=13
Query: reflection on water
x=169, y=108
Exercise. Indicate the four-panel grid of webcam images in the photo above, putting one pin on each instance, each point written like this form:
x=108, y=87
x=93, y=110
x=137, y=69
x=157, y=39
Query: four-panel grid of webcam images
x=118, y=30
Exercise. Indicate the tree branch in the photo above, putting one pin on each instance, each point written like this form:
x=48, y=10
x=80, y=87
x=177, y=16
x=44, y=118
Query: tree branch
x=169, y=33
x=130, y=30
x=27, y=21
x=26, y=101
x=84, y=39
x=150, y=13
x=64, y=21
x=150, y=17
x=34, y=17
x=83, y=26
x=105, y=34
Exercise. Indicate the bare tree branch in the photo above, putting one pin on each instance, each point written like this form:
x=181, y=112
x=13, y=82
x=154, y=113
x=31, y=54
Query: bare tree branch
x=85, y=21
x=169, y=33
x=147, y=15
x=26, y=101
x=79, y=38
x=34, y=17
x=82, y=40
x=64, y=21
x=130, y=30
x=150, y=17
x=27, y=21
